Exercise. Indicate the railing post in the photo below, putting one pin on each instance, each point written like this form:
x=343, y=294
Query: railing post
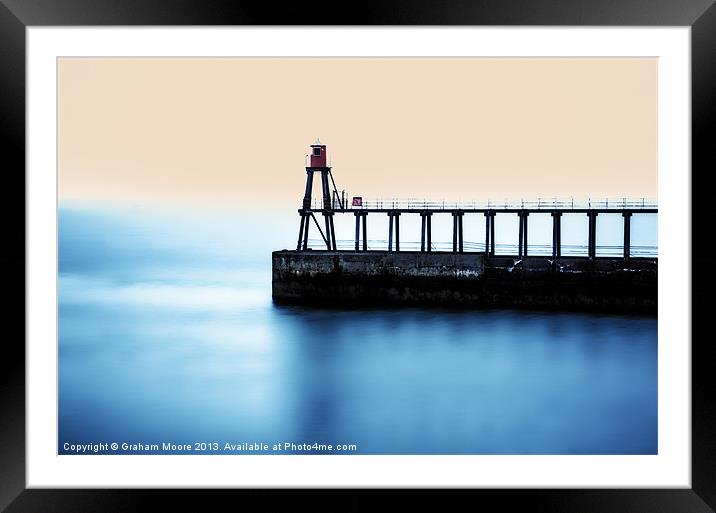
x=454, y=232
x=357, y=214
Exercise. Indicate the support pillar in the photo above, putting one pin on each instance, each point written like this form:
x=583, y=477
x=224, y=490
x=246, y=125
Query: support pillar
x=309, y=187
x=460, y=232
x=525, y=244
x=328, y=218
x=422, y=232
x=457, y=234
x=428, y=225
x=393, y=220
x=492, y=235
x=390, y=231
x=521, y=234
x=300, y=232
x=364, y=215
x=333, y=232
x=592, y=248
x=556, y=234
x=357, y=215
x=326, y=190
x=306, y=216
x=627, y=235
x=397, y=230
x=489, y=233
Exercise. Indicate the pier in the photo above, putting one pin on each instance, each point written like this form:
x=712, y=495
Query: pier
x=461, y=273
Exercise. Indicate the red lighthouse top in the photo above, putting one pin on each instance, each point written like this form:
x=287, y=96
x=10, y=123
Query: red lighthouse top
x=318, y=154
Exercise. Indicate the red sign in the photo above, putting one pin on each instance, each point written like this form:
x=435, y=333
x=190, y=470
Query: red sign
x=357, y=201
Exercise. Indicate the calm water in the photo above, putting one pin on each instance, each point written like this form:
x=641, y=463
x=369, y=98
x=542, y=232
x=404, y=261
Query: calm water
x=167, y=333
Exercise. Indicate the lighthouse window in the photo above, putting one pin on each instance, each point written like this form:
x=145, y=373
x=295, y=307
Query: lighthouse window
x=317, y=152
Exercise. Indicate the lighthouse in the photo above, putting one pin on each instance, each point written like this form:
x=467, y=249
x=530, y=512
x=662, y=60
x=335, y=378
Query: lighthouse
x=318, y=154
x=317, y=164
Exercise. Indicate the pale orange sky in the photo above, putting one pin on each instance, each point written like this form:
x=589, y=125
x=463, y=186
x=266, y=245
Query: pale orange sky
x=236, y=130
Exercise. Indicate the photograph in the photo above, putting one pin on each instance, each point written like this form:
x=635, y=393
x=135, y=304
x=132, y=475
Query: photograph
x=357, y=256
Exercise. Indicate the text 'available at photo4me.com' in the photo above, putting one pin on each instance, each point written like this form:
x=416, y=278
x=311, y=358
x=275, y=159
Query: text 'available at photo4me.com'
x=124, y=447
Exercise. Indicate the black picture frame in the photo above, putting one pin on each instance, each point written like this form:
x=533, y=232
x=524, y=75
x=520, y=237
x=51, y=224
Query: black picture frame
x=17, y=15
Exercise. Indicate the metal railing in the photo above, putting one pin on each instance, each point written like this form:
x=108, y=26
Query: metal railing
x=500, y=249
x=531, y=204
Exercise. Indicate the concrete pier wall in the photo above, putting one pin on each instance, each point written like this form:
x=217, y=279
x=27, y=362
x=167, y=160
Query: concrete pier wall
x=464, y=279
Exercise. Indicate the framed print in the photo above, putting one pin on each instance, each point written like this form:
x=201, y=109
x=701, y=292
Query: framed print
x=395, y=254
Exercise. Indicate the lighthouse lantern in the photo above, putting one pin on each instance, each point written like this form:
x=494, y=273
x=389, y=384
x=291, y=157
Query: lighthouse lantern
x=318, y=154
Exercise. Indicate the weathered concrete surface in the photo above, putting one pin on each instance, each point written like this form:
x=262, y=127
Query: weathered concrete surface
x=467, y=279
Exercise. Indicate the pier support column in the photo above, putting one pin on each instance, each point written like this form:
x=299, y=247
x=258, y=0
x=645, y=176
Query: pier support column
x=326, y=190
x=397, y=231
x=492, y=235
x=521, y=234
x=425, y=235
x=460, y=232
x=330, y=232
x=523, y=244
x=592, y=248
x=527, y=214
x=422, y=232
x=333, y=232
x=309, y=187
x=429, y=228
x=627, y=234
x=393, y=219
x=364, y=215
x=300, y=232
x=556, y=234
x=457, y=233
x=390, y=231
x=307, y=223
x=489, y=233
x=357, y=215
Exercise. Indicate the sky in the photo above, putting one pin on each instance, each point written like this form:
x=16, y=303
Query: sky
x=236, y=131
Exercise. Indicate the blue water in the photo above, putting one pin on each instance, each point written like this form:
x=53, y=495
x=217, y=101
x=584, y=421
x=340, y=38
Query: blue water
x=167, y=333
